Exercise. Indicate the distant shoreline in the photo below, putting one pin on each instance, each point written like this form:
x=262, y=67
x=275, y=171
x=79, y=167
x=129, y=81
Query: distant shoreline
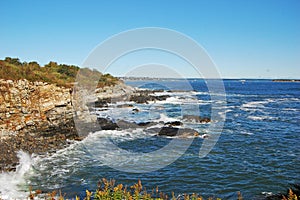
x=224, y=79
x=286, y=80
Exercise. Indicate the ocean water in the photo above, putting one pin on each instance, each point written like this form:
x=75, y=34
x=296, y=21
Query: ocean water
x=257, y=152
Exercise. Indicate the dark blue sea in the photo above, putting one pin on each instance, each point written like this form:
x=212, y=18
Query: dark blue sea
x=257, y=152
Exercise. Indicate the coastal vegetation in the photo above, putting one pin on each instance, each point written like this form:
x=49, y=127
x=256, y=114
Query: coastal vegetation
x=59, y=74
x=109, y=190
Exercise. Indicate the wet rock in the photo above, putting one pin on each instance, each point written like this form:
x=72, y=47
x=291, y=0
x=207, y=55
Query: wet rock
x=31, y=143
x=125, y=106
x=173, y=132
x=107, y=124
x=174, y=123
x=162, y=97
x=118, y=92
x=168, y=131
x=179, y=132
x=144, y=96
x=100, y=103
x=127, y=125
x=140, y=99
x=135, y=110
x=146, y=124
x=122, y=124
x=197, y=119
x=84, y=128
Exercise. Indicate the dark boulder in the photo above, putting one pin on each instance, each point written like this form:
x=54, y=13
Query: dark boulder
x=174, y=123
x=146, y=124
x=135, y=110
x=127, y=125
x=152, y=131
x=140, y=99
x=125, y=106
x=194, y=118
x=172, y=132
x=107, y=124
x=100, y=103
x=161, y=97
x=168, y=131
x=146, y=96
x=180, y=132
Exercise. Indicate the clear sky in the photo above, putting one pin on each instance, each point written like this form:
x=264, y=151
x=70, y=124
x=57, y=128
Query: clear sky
x=246, y=39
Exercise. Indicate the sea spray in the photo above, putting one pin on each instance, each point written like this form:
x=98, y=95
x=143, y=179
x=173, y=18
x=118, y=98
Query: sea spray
x=11, y=182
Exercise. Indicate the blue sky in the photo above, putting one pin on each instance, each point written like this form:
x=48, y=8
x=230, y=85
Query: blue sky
x=246, y=39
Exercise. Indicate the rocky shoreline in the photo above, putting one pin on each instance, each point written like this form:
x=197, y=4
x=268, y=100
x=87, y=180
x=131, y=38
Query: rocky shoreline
x=40, y=118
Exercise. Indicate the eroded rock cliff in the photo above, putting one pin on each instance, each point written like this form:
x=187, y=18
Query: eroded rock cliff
x=39, y=117
x=30, y=107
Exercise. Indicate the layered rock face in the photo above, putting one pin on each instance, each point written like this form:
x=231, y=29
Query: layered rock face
x=44, y=109
x=30, y=107
x=38, y=117
x=34, y=117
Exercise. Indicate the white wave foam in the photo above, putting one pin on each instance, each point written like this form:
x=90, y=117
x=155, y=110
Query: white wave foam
x=183, y=100
x=55, y=171
x=51, y=172
x=255, y=118
x=11, y=182
x=255, y=105
x=291, y=99
x=291, y=109
x=267, y=193
x=181, y=93
x=162, y=93
x=123, y=135
x=244, y=132
x=164, y=118
x=261, y=118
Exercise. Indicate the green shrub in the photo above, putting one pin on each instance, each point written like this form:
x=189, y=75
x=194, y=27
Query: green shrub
x=108, y=190
x=59, y=74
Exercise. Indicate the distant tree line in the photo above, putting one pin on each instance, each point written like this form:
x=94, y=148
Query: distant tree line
x=59, y=74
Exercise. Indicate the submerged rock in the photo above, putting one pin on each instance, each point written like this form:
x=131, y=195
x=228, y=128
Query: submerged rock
x=100, y=103
x=197, y=119
x=144, y=96
x=179, y=132
x=173, y=132
x=125, y=106
x=135, y=110
x=107, y=124
x=146, y=124
x=174, y=123
x=122, y=124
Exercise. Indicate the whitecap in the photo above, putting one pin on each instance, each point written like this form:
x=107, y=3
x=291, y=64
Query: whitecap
x=246, y=133
x=12, y=183
x=261, y=118
x=164, y=118
x=255, y=105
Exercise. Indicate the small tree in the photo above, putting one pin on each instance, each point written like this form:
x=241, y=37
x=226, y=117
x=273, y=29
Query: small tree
x=13, y=61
